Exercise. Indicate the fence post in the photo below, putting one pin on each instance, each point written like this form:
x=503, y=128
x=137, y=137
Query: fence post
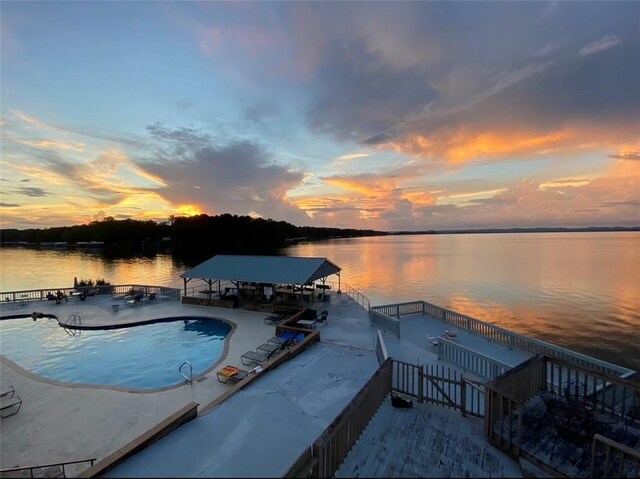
x=463, y=396
x=398, y=311
x=421, y=384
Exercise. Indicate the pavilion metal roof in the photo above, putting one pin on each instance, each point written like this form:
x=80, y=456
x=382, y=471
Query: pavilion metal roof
x=264, y=269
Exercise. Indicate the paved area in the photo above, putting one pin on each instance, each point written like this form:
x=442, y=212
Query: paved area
x=415, y=328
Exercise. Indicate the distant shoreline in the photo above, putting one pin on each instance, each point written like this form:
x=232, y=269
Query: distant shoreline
x=591, y=229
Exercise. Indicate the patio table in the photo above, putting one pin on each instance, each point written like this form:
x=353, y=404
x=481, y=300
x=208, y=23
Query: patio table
x=306, y=323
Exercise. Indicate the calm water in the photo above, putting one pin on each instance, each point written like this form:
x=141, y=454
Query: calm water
x=578, y=290
x=45, y=349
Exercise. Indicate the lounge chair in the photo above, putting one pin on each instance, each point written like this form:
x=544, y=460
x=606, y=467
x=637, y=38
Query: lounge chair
x=8, y=391
x=231, y=374
x=272, y=319
x=253, y=357
x=282, y=337
x=269, y=347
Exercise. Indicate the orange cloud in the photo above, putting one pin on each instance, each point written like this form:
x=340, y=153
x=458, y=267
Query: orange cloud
x=50, y=144
x=420, y=198
x=352, y=185
x=459, y=145
x=462, y=146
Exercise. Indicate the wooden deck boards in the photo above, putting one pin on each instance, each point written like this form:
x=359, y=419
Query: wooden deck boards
x=425, y=441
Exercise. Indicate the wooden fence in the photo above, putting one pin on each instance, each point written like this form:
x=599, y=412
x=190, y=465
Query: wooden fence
x=400, y=309
x=501, y=335
x=438, y=384
x=617, y=460
x=470, y=360
x=385, y=323
x=21, y=297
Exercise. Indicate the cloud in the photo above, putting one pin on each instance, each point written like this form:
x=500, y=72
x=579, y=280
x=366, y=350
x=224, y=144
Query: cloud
x=353, y=156
x=47, y=144
x=356, y=96
x=472, y=101
x=32, y=191
x=601, y=45
x=627, y=155
x=260, y=111
x=237, y=177
x=9, y=205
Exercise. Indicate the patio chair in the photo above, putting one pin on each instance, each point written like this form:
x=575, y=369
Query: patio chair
x=321, y=319
x=432, y=341
x=231, y=374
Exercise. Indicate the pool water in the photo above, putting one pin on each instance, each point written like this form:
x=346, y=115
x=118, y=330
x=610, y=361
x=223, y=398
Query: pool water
x=145, y=356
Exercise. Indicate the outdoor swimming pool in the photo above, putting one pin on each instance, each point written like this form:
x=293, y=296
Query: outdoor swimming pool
x=145, y=356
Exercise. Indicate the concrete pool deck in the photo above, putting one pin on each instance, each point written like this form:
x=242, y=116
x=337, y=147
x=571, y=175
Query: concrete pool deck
x=65, y=422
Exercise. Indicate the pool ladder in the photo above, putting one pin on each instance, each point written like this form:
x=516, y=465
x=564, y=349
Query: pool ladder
x=189, y=378
x=73, y=319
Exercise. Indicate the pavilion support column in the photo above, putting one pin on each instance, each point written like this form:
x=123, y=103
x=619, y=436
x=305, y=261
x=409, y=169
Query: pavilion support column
x=185, y=285
x=339, y=288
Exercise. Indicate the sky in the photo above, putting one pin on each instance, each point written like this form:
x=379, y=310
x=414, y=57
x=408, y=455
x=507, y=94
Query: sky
x=379, y=115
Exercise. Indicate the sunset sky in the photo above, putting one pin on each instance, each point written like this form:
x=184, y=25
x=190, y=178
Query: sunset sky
x=382, y=115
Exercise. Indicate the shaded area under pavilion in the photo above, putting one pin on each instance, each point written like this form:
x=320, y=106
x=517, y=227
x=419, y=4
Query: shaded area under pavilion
x=264, y=277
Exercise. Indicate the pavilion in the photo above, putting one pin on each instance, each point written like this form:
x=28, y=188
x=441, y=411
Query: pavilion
x=267, y=276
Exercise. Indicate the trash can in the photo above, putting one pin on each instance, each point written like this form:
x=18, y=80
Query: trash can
x=327, y=297
x=115, y=307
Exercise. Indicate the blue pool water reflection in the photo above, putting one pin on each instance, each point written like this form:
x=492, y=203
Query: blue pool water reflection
x=143, y=357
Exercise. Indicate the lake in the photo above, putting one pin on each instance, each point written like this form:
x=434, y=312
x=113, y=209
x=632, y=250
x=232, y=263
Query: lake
x=576, y=290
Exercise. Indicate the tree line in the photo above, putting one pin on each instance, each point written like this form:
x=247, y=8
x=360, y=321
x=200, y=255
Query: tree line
x=224, y=233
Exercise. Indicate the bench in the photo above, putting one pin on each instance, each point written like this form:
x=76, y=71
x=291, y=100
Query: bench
x=9, y=402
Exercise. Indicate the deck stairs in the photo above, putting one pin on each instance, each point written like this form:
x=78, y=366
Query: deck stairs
x=425, y=441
